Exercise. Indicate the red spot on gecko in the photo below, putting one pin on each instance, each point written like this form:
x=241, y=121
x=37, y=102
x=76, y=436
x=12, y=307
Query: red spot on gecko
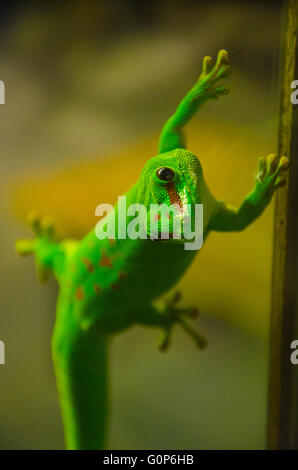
x=88, y=265
x=97, y=289
x=173, y=195
x=105, y=261
x=115, y=286
x=122, y=275
x=79, y=293
x=112, y=241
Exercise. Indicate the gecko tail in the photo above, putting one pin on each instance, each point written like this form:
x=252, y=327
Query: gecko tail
x=80, y=359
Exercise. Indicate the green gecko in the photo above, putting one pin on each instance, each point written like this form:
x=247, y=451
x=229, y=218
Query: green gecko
x=108, y=285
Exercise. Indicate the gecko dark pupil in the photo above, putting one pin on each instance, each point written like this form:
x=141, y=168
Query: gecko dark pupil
x=165, y=174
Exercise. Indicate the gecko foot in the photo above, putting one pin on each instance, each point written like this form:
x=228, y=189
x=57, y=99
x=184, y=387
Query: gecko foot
x=212, y=73
x=177, y=315
x=271, y=169
x=44, y=238
x=270, y=176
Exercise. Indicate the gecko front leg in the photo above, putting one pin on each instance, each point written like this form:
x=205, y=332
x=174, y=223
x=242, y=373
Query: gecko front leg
x=207, y=87
x=44, y=246
x=166, y=316
x=268, y=179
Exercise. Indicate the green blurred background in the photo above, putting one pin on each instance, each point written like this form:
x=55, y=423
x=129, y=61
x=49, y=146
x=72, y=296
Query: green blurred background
x=88, y=86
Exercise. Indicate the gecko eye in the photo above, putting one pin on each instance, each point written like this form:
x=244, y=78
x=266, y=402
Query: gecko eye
x=165, y=174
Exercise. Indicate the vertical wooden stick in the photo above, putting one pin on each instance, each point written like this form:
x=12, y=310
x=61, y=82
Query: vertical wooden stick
x=282, y=430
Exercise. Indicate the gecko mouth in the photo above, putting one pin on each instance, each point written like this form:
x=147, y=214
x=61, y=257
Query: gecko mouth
x=168, y=222
x=169, y=237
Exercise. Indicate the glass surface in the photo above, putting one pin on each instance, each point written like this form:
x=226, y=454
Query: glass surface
x=88, y=88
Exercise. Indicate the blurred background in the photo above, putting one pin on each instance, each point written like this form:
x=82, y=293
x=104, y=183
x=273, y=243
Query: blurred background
x=89, y=85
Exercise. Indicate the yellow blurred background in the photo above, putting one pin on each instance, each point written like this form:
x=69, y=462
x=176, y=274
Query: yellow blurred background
x=89, y=85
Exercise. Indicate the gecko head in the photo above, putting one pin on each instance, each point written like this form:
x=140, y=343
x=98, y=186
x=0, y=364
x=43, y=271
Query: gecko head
x=172, y=182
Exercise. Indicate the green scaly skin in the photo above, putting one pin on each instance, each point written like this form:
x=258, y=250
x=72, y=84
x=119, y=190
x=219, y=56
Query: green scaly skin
x=108, y=285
